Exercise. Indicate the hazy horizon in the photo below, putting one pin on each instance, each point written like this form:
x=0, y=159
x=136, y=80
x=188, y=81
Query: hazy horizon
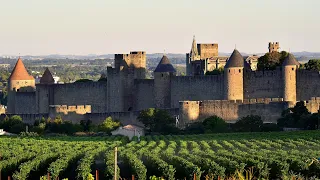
x=40, y=27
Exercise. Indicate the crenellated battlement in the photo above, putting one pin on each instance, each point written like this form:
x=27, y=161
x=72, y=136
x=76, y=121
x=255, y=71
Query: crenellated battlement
x=78, y=109
x=245, y=101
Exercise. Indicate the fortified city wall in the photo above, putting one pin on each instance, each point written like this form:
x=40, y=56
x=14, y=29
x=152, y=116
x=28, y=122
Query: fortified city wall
x=196, y=88
x=262, y=84
x=144, y=94
x=25, y=102
x=82, y=93
x=308, y=84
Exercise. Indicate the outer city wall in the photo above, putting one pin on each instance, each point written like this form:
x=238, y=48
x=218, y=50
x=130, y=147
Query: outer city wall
x=269, y=109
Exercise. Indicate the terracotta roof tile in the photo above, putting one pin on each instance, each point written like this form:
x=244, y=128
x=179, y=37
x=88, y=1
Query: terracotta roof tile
x=19, y=72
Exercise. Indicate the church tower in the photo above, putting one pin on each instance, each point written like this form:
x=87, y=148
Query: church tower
x=19, y=81
x=192, y=56
x=162, y=83
x=289, y=71
x=233, y=77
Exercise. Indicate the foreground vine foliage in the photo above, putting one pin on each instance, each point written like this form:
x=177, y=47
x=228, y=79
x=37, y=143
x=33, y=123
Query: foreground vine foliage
x=281, y=155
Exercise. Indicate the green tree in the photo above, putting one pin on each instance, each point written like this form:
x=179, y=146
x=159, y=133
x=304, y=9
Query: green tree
x=109, y=125
x=313, y=64
x=215, y=72
x=296, y=117
x=215, y=124
x=158, y=121
x=251, y=123
x=270, y=61
x=13, y=124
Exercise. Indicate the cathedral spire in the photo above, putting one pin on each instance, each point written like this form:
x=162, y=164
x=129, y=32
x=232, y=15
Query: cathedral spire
x=194, y=49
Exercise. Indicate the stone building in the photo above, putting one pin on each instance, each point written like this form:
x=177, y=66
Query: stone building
x=237, y=92
x=274, y=47
x=205, y=57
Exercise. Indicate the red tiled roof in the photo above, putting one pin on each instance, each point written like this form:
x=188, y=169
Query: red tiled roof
x=19, y=72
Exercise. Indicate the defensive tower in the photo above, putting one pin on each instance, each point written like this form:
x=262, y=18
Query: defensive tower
x=289, y=70
x=19, y=81
x=233, y=81
x=162, y=83
x=47, y=77
x=273, y=47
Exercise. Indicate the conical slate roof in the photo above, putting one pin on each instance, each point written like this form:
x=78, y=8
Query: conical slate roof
x=47, y=77
x=235, y=60
x=165, y=65
x=19, y=72
x=290, y=60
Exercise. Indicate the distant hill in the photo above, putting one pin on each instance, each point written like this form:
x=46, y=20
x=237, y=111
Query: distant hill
x=176, y=57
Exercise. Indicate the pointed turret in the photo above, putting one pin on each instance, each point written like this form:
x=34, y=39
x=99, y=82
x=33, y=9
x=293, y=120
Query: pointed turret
x=19, y=72
x=19, y=81
x=235, y=60
x=290, y=60
x=47, y=77
x=289, y=68
x=165, y=65
x=233, y=77
x=162, y=83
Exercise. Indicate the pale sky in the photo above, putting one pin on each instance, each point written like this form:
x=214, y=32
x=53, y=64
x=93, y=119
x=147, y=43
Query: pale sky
x=42, y=27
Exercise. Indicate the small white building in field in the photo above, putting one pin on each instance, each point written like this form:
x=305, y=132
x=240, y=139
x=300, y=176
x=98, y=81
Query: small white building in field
x=4, y=133
x=129, y=131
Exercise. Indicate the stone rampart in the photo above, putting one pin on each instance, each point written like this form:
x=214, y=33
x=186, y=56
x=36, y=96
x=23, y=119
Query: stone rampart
x=269, y=109
x=196, y=88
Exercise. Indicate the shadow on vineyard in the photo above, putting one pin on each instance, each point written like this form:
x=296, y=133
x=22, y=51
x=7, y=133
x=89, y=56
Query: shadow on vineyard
x=276, y=155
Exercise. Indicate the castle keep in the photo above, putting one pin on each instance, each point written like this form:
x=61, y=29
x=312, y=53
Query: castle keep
x=237, y=92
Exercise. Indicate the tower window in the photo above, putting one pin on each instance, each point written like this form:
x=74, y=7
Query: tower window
x=229, y=70
x=292, y=69
x=161, y=75
x=239, y=70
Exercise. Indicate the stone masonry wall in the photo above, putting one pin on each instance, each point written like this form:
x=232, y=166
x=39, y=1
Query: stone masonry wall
x=144, y=94
x=207, y=50
x=263, y=84
x=82, y=93
x=232, y=110
x=25, y=103
x=308, y=84
x=196, y=88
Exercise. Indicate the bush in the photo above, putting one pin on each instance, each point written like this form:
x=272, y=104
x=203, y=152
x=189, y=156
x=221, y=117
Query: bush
x=251, y=123
x=270, y=127
x=13, y=124
x=109, y=125
x=195, y=128
x=215, y=124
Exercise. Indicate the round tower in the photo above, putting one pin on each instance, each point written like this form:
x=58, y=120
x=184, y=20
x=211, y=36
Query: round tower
x=162, y=83
x=19, y=81
x=233, y=77
x=289, y=71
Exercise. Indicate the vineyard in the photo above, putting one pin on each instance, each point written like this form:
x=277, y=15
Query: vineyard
x=213, y=156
